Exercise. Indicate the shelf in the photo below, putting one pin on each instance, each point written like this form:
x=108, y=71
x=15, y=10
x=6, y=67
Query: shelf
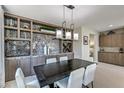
x=10, y=27
x=44, y=32
x=23, y=29
x=64, y=39
x=17, y=39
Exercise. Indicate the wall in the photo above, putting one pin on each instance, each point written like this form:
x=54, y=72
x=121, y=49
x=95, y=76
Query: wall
x=2, y=72
x=82, y=51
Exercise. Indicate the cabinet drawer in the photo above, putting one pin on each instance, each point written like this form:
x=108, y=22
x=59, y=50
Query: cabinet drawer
x=112, y=58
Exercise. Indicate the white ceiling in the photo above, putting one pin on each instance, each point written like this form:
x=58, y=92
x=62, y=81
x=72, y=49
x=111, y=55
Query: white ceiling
x=94, y=17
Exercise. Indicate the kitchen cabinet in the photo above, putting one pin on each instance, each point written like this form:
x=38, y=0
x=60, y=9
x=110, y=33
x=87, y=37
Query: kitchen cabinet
x=121, y=59
x=101, y=40
x=116, y=40
x=104, y=57
x=111, y=57
x=113, y=40
x=105, y=40
x=122, y=40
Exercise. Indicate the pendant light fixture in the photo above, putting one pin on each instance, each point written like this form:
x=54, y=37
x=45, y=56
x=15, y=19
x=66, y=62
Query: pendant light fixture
x=68, y=32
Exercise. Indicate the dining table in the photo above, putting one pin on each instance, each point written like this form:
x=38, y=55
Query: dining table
x=47, y=74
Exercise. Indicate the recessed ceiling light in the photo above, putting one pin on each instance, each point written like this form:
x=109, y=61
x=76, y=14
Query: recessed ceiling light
x=110, y=25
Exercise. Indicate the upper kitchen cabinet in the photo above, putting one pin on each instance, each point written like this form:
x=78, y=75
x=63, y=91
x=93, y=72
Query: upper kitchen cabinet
x=116, y=40
x=111, y=40
x=122, y=40
x=105, y=40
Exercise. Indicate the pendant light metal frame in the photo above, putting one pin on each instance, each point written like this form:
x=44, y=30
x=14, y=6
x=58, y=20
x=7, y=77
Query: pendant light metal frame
x=69, y=36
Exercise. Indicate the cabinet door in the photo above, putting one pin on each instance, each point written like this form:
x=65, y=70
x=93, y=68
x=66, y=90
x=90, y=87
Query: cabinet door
x=121, y=59
x=25, y=65
x=122, y=40
x=36, y=60
x=10, y=68
x=113, y=58
x=103, y=57
x=106, y=57
x=105, y=40
x=100, y=57
x=101, y=40
x=116, y=40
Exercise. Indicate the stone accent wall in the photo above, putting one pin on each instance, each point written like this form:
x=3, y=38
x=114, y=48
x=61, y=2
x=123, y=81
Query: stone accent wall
x=39, y=42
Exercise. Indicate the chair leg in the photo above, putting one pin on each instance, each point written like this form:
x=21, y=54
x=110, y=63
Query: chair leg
x=92, y=84
x=51, y=85
x=55, y=86
x=83, y=86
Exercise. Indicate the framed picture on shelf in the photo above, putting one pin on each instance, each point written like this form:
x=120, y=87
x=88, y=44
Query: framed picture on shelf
x=85, y=40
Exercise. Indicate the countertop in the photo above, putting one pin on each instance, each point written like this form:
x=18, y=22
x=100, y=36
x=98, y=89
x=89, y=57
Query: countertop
x=108, y=52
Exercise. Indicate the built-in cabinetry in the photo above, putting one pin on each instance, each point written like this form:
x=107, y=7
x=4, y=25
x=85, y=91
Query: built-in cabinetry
x=27, y=63
x=112, y=58
x=112, y=47
x=28, y=42
x=32, y=36
x=113, y=40
x=11, y=64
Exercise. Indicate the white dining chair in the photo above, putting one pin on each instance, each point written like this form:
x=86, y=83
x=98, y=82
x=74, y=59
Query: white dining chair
x=89, y=75
x=63, y=58
x=73, y=81
x=51, y=60
x=21, y=80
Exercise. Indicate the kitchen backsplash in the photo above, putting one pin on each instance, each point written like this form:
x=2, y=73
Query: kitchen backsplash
x=110, y=49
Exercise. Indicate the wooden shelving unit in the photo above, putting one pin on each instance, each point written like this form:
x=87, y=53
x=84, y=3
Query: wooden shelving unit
x=25, y=26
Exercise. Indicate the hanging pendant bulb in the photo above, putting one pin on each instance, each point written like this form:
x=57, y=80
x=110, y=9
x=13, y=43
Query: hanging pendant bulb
x=75, y=36
x=59, y=34
x=68, y=35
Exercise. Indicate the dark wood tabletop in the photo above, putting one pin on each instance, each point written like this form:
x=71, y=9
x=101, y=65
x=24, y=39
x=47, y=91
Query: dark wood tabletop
x=49, y=73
